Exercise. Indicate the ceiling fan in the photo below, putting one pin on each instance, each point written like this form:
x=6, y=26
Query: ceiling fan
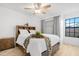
x=39, y=8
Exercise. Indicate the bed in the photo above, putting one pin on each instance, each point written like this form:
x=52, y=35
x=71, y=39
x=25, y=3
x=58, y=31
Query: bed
x=55, y=41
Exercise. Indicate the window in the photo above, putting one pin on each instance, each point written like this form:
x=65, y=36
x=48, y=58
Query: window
x=72, y=27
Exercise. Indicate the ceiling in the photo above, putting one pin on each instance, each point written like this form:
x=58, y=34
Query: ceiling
x=56, y=7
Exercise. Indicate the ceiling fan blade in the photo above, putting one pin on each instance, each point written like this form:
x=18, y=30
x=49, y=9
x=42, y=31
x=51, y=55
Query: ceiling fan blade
x=37, y=5
x=38, y=8
x=28, y=8
x=46, y=6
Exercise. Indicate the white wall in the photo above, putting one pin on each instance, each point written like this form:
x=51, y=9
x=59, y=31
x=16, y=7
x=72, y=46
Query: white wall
x=61, y=28
x=34, y=21
x=10, y=18
x=8, y=21
x=69, y=14
x=71, y=41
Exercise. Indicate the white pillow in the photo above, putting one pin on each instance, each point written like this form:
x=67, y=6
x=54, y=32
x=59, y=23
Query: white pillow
x=23, y=31
x=32, y=31
x=22, y=36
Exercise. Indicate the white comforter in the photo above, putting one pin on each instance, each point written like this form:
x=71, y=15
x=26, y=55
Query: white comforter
x=37, y=46
x=53, y=38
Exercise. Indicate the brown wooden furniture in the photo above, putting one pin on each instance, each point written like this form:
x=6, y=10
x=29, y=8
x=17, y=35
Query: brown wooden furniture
x=6, y=43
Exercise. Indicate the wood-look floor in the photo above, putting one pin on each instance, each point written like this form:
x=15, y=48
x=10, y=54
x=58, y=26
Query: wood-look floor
x=65, y=50
x=68, y=50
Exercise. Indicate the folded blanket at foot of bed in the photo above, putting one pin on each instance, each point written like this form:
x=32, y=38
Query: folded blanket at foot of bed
x=37, y=45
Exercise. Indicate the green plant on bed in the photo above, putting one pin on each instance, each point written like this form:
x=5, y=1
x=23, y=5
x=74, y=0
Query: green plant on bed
x=38, y=34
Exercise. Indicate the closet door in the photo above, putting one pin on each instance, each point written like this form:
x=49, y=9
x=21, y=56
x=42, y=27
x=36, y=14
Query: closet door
x=47, y=26
x=50, y=26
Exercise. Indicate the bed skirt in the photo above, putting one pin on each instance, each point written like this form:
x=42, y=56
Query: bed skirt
x=55, y=48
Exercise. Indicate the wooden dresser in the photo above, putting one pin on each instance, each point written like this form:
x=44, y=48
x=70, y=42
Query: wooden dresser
x=6, y=43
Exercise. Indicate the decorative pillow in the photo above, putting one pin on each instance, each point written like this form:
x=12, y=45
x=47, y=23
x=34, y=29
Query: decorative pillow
x=23, y=31
x=22, y=36
x=32, y=31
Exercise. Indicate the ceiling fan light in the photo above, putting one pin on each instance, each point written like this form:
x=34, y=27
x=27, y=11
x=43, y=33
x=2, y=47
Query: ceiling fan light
x=38, y=11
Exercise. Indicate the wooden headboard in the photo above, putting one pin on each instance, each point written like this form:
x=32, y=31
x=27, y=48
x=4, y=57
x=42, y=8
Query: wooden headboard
x=23, y=27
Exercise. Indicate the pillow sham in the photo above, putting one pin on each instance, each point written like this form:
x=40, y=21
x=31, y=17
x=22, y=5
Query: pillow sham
x=23, y=31
x=22, y=36
x=32, y=31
